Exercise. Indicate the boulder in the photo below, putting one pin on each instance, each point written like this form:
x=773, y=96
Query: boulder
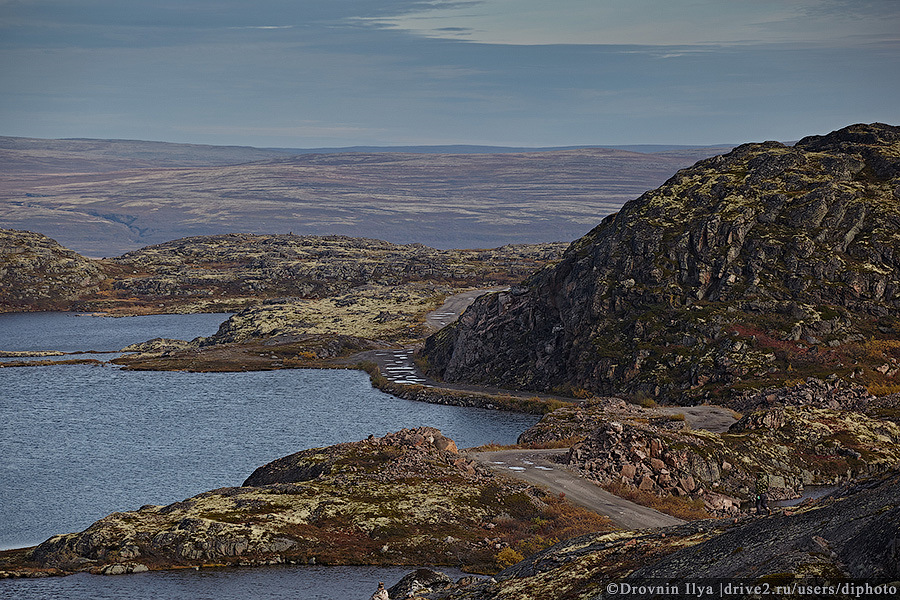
x=420, y=581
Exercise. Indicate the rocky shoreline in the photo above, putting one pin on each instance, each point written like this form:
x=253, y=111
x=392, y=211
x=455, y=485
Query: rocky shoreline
x=410, y=497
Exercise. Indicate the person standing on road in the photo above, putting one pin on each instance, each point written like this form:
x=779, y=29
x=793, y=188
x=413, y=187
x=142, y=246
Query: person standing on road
x=380, y=593
x=762, y=494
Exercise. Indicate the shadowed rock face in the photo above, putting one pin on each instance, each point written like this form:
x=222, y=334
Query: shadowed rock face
x=850, y=534
x=732, y=271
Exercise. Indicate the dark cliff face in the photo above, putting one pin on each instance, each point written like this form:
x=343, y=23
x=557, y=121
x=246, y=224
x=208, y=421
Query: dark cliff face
x=732, y=271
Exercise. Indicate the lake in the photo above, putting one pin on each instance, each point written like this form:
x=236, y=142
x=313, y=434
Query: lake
x=75, y=332
x=78, y=442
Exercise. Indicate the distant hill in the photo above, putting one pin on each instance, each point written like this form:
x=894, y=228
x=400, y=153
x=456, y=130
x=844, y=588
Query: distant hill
x=748, y=270
x=475, y=149
x=107, y=197
x=81, y=155
x=42, y=157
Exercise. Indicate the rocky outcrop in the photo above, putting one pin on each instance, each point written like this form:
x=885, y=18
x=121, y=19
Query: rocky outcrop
x=755, y=267
x=225, y=273
x=36, y=273
x=273, y=266
x=357, y=313
x=793, y=446
x=832, y=393
x=848, y=537
x=409, y=497
x=158, y=346
x=420, y=581
x=311, y=464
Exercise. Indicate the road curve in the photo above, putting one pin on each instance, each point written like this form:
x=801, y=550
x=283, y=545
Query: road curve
x=536, y=466
x=709, y=417
x=454, y=306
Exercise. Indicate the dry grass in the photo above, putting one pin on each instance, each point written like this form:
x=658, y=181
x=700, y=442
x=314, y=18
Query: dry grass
x=682, y=508
x=531, y=531
x=883, y=389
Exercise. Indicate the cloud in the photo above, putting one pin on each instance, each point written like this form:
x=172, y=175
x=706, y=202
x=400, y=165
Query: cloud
x=264, y=27
x=650, y=22
x=316, y=73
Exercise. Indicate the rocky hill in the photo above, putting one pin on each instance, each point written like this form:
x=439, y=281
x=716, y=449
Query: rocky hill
x=747, y=270
x=619, y=444
x=36, y=273
x=409, y=497
x=274, y=266
x=231, y=272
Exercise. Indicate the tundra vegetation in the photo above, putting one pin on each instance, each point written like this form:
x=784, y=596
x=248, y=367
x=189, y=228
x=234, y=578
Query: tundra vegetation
x=764, y=279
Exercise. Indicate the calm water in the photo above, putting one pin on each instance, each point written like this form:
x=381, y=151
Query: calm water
x=79, y=442
x=270, y=583
x=71, y=332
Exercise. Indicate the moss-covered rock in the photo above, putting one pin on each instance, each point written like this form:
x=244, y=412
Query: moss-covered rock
x=407, y=498
x=850, y=536
x=744, y=271
x=36, y=273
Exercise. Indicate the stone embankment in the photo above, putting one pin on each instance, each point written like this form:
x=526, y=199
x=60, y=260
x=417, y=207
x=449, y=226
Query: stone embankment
x=453, y=397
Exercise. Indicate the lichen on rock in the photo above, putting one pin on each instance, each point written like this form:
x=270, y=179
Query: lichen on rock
x=36, y=273
x=849, y=536
x=744, y=271
x=409, y=497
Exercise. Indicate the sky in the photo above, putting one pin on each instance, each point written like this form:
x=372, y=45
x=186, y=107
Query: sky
x=536, y=73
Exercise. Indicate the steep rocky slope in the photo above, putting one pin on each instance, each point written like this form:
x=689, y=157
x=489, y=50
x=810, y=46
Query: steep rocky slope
x=409, y=497
x=849, y=537
x=36, y=273
x=743, y=271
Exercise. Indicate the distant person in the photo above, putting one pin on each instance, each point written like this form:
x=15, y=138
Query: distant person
x=762, y=494
x=381, y=593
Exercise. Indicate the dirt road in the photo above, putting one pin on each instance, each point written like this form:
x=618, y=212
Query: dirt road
x=536, y=466
x=454, y=306
x=711, y=418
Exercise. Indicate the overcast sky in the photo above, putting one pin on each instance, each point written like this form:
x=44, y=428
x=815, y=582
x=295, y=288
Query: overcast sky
x=310, y=73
